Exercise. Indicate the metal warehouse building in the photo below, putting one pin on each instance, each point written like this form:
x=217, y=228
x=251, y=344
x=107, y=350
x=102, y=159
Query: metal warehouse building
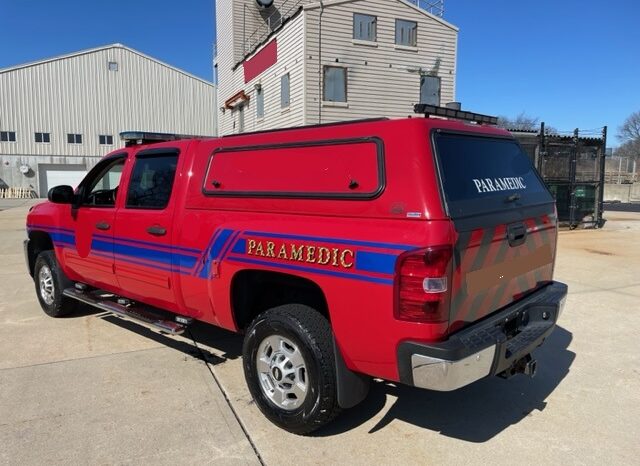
x=59, y=116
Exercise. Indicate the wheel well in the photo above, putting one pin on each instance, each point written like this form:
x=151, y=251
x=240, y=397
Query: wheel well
x=38, y=241
x=255, y=291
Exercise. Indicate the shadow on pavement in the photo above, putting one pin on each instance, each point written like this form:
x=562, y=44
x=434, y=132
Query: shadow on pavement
x=205, y=335
x=475, y=413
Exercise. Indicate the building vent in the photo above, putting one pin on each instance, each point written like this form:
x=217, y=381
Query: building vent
x=113, y=66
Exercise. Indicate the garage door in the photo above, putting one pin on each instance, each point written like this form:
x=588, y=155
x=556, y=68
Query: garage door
x=58, y=177
x=56, y=174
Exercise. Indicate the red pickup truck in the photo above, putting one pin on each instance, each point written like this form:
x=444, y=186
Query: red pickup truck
x=417, y=250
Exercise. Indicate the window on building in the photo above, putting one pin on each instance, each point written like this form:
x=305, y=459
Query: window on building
x=259, y=102
x=430, y=90
x=406, y=33
x=364, y=27
x=113, y=66
x=42, y=137
x=152, y=181
x=8, y=136
x=74, y=138
x=240, y=118
x=105, y=140
x=285, y=91
x=335, y=84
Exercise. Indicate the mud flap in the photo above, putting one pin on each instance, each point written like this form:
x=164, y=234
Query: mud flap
x=352, y=386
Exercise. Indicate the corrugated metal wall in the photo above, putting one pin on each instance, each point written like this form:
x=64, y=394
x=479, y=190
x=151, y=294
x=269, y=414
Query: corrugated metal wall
x=79, y=94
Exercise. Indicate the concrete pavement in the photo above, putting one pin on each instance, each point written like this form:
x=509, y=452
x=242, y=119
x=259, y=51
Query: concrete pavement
x=96, y=389
x=82, y=390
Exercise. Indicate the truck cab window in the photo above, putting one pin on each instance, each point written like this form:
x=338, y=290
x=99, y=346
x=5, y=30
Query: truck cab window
x=102, y=188
x=152, y=181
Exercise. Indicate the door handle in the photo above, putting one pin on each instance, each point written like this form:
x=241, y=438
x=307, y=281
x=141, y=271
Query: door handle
x=517, y=234
x=102, y=225
x=157, y=230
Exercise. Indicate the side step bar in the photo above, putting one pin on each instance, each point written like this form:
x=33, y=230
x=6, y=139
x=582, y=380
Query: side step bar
x=132, y=312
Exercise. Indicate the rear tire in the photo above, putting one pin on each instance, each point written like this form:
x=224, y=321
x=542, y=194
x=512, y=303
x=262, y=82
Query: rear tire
x=289, y=366
x=50, y=282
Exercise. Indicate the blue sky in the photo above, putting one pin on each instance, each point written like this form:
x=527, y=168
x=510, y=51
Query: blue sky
x=572, y=63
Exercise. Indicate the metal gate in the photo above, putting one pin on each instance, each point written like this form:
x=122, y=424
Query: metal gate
x=572, y=166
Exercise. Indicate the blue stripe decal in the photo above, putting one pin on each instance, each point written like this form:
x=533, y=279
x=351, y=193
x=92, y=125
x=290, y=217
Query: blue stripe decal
x=383, y=281
x=219, y=243
x=144, y=264
x=401, y=247
x=240, y=247
x=99, y=245
x=104, y=246
x=144, y=253
x=205, y=253
x=148, y=244
x=375, y=262
x=214, y=253
x=64, y=238
x=226, y=249
x=185, y=262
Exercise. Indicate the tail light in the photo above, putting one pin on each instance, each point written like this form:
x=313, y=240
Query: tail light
x=422, y=285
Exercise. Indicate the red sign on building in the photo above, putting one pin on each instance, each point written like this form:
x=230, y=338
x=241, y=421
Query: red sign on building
x=261, y=61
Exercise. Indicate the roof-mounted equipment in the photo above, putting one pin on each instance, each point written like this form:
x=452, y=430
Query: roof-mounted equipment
x=136, y=138
x=454, y=113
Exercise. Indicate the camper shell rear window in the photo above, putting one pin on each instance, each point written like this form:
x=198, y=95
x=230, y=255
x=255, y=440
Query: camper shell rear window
x=348, y=168
x=482, y=174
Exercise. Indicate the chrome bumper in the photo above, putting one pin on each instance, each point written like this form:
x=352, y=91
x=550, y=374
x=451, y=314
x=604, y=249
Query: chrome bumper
x=444, y=376
x=488, y=347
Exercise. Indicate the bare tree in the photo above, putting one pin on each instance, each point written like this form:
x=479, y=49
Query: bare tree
x=522, y=122
x=630, y=149
x=630, y=129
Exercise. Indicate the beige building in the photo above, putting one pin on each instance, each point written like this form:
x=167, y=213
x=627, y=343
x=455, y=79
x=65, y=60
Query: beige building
x=300, y=62
x=59, y=116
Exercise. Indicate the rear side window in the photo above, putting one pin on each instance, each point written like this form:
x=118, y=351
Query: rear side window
x=484, y=174
x=152, y=180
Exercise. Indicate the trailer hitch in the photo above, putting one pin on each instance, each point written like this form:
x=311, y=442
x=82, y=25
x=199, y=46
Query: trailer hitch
x=526, y=365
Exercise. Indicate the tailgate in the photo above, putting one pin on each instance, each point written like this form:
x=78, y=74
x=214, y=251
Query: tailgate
x=505, y=220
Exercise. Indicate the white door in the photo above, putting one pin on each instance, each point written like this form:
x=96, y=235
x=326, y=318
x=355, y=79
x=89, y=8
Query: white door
x=68, y=177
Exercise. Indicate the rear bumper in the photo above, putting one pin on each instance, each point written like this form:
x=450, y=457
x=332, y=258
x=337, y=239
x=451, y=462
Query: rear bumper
x=488, y=347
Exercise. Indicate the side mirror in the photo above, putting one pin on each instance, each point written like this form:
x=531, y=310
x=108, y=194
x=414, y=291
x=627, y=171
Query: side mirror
x=61, y=194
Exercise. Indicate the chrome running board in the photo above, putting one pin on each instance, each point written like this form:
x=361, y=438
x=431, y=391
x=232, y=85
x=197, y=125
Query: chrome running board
x=103, y=301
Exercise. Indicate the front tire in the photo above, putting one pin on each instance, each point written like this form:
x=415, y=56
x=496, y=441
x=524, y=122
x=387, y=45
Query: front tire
x=289, y=366
x=50, y=282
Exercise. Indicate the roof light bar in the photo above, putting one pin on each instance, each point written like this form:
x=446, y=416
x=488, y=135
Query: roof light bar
x=133, y=138
x=429, y=110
